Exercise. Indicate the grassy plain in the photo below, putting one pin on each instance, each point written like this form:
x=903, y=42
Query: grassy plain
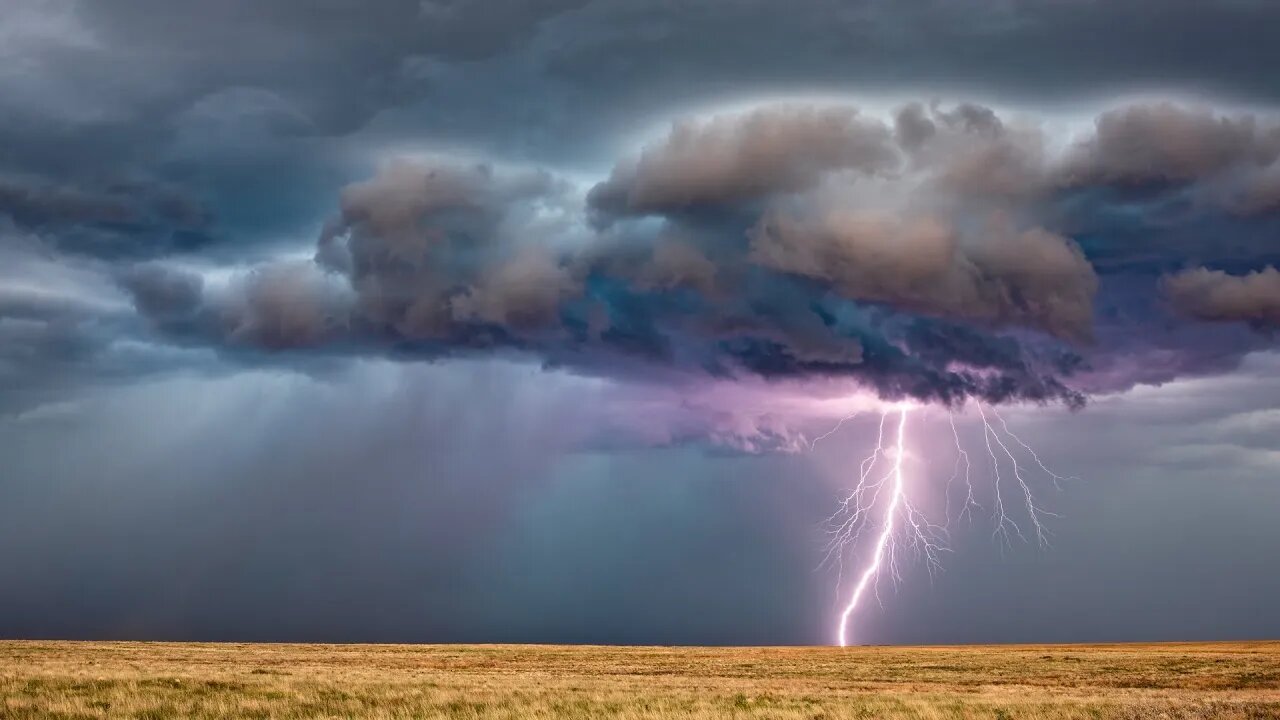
x=520, y=682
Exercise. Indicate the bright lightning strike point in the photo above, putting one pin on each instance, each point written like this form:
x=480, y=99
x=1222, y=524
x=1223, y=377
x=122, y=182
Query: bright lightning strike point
x=897, y=490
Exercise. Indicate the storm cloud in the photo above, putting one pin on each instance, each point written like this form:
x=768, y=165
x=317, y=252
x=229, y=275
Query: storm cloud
x=784, y=241
x=1214, y=295
x=732, y=159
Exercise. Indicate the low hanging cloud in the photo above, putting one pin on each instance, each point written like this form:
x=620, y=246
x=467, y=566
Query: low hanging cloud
x=127, y=218
x=942, y=254
x=284, y=305
x=1214, y=295
x=1032, y=278
x=731, y=159
x=430, y=247
x=524, y=292
x=1163, y=144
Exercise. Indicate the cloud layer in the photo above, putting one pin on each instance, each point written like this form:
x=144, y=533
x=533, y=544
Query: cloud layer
x=926, y=255
x=1216, y=296
x=921, y=249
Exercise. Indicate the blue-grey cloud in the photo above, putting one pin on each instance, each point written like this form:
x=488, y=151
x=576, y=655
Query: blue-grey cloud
x=788, y=241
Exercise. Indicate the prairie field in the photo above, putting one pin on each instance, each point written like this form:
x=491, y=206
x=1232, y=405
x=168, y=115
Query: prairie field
x=50, y=679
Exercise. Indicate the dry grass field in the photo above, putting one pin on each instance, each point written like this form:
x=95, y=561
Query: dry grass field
x=195, y=680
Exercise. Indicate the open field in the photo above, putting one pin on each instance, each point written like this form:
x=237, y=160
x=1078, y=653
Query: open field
x=205, y=680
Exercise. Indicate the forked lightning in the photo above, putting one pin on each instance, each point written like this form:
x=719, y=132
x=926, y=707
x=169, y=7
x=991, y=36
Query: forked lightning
x=900, y=522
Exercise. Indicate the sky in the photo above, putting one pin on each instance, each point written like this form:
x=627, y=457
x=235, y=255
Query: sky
x=573, y=320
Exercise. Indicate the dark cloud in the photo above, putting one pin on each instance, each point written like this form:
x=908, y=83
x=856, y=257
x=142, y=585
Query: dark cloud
x=433, y=247
x=786, y=241
x=524, y=292
x=32, y=203
x=283, y=305
x=58, y=318
x=235, y=116
x=1164, y=145
x=632, y=50
x=1033, y=278
x=912, y=126
x=739, y=158
x=793, y=239
x=123, y=218
x=437, y=258
x=676, y=265
x=1217, y=296
x=138, y=63
x=163, y=294
x=474, y=29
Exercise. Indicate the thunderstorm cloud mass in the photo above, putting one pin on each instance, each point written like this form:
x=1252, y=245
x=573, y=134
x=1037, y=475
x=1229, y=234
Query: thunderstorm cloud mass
x=568, y=320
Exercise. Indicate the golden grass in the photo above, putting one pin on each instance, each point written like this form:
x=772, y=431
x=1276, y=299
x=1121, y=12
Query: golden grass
x=208, y=680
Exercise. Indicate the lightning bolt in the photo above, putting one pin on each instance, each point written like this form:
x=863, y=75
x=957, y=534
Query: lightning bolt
x=961, y=456
x=885, y=539
x=882, y=485
x=814, y=442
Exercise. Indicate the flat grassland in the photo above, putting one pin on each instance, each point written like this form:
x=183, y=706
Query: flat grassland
x=206, y=680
